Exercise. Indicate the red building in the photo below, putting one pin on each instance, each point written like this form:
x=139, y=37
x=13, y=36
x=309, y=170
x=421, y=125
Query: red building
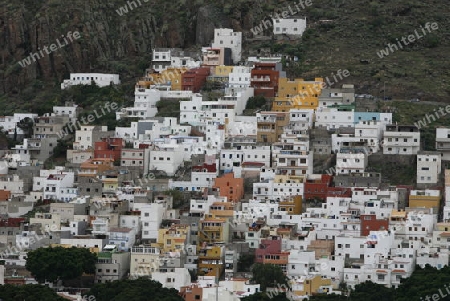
x=194, y=79
x=369, y=222
x=264, y=79
x=12, y=222
x=108, y=148
x=267, y=247
x=318, y=188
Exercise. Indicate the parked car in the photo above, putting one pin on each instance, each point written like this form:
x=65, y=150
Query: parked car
x=414, y=100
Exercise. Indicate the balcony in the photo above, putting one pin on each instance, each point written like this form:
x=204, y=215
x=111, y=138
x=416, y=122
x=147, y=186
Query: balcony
x=266, y=130
x=267, y=120
x=212, y=228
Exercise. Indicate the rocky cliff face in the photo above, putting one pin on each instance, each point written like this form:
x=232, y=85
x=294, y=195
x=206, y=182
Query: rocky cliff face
x=106, y=37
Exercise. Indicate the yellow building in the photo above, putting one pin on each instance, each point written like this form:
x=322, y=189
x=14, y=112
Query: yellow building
x=144, y=261
x=173, y=239
x=213, y=230
x=173, y=75
x=223, y=70
x=292, y=205
x=222, y=209
x=288, y=88
x=425, y=199
x=307, y=286
x=447, y=177
x=210, y=261
x=170, y=75
x=297, y=94
x=270, y=126
x=443, y=226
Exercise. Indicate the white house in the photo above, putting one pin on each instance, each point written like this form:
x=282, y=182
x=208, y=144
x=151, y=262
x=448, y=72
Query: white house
x=151, y=217
x=161, y=59
x=428, y=167
x=242, y=126
x=173, y=278
x=70, y=111
x=130, y=221
x=100, y=79
x=401, y=139
x=295, y=26
x=226, y=38
x=332, y=118
x=240, y=77
x=230, y=158
x=351, y=160
x=56, y=184
x=123, y=238
x=83, y=242
x=301, y=119
x=87, y=135
x=164, y=157
x=443, y=142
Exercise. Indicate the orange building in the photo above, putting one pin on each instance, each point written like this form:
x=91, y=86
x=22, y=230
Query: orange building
x=193, y=292
x=94, y=167
x=5, y=195
x=230, y=187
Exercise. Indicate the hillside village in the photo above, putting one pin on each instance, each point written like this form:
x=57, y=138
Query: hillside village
x=185, y=199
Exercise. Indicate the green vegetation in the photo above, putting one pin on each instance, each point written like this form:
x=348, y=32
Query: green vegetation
x=141, y=289
x=168, y=108
x=60, y=263
x=245, y=262
x=29, y=292
x=178, y=197
x=268, y=275
x=256, y=102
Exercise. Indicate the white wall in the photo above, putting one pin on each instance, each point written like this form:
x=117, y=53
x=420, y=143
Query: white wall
x=101, y=79
x=289, y=26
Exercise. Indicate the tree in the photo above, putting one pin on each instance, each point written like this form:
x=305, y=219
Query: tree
x=141, y=289
x=256, y=102
x=63, y=263
x=245, y=262
x=268, y=275
x=29, y=292
x=26, y=125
